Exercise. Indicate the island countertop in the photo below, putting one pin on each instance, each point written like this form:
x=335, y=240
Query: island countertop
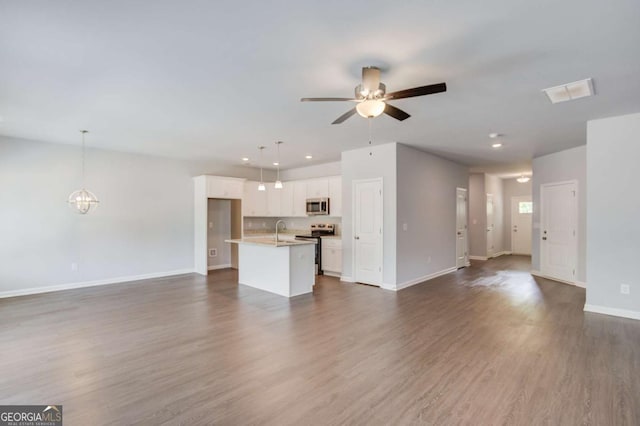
x=268, y=242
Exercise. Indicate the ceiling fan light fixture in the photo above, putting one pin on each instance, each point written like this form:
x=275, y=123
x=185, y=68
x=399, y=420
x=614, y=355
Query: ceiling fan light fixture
x=523, y=179
x=370, y=108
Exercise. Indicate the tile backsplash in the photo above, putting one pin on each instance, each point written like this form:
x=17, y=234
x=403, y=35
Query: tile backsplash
x=257, y=225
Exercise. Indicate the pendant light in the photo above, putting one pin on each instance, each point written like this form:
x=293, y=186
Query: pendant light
x=278, y=184
x=83, y=200
x=261, y=186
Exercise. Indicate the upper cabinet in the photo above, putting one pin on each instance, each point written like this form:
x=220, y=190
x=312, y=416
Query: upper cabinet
x=254, y=202
x=335, y=196
x=291, y=200
x=224, y=187
x=299, y=198
x=318, y=188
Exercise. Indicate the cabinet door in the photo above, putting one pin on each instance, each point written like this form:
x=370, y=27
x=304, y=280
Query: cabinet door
x=300, y=198
x=249, y=198
x=286, y=200
x=331, y=259
x=254, y=202
x=318, y=188
x=274, y=197
x=219, y=187
x=335, y=196
x=233, y=189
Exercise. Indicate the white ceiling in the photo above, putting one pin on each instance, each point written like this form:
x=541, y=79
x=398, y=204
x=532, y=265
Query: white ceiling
x=213, y=79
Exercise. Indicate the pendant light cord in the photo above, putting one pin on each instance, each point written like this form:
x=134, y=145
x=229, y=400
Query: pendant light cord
x=83, y=155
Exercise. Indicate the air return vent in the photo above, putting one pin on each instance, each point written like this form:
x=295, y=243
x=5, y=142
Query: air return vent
x=570, y=91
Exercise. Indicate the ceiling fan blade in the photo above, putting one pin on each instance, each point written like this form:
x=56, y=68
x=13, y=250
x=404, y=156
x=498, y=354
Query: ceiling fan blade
x=418, y=91
x=326, y=99
x=396, y=113
x=344, y=116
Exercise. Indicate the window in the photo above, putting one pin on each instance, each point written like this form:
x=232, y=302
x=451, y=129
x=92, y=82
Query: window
x=525, y=207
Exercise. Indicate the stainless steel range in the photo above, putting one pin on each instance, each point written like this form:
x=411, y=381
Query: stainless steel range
x=316, y=232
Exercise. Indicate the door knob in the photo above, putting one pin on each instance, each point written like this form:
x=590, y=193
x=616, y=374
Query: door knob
x=544, y=238
x=357, y=238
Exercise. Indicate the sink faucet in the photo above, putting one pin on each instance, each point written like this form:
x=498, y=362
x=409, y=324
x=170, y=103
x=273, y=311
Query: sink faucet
x=283, y=228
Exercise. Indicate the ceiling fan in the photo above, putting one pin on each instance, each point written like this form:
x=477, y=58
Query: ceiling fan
x=371, y=97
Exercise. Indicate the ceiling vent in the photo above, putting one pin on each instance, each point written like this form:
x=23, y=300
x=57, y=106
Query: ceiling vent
x=570, y=91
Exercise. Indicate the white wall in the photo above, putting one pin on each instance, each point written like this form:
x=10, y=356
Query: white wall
x=613, y=207
x=309, y=172
x=512, y=188
x=426, y=203
x=358, y=164
x=144, y=224
x=218, y=230
x=477, y=215
x=561, y=166
x=493, y=186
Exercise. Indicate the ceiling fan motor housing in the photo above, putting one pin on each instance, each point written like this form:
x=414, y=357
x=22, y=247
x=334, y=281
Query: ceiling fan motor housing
x=363, y=93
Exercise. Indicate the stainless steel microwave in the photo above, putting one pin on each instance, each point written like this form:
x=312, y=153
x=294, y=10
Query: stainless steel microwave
x=317, y=206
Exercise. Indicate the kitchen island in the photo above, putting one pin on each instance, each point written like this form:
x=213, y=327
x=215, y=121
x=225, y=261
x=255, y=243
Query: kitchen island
x=286, y=268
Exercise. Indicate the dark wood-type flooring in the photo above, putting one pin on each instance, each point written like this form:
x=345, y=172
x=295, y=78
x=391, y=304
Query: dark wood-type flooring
x=486, y=345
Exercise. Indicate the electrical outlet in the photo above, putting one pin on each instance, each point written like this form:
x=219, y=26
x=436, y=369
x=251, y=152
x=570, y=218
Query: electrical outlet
x=428, y=259
x=213, y=252
x=74, y=267
x=405, y=227
x=625, y=289
x=264, y=224
x=210, y=225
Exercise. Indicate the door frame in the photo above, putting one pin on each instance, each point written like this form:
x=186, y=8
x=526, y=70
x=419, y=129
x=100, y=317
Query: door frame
x=354, y=183
x=466, y=228
x=489, y=196
x=575, y=221
x=511, y=208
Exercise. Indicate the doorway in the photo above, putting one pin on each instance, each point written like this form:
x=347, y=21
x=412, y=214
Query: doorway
x=559, y=219
x=224, y=222
x=521, y=217
x=462, y=251
x=367, y=228
x=490, y=226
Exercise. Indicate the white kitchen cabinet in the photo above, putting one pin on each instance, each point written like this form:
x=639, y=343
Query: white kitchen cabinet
x=254, y=202
x=299, y=198
x=335, y=196
x=224, y=187
x=274, y=197
x=332, y=255
x=318, y=188
x=286, y=200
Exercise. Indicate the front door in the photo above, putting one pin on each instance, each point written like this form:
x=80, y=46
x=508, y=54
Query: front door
x=558, y=234
x=367, y=229
x=521, y=212
x=461, y=228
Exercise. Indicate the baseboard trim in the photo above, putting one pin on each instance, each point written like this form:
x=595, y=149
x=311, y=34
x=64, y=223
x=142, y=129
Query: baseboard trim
x=419, y=280
x=537, y=273
x=214, y=267
x=83, y=284
x=478, y=258
x=501, y=253
x=624, y=313
x=332, y=274
x=347, y=279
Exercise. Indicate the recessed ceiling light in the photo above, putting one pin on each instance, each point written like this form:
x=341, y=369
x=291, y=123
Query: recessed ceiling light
x=275, y=163
x=308, y=157
x=245, y=159
x=570, y=91
x=493, y=135
x=496, y=145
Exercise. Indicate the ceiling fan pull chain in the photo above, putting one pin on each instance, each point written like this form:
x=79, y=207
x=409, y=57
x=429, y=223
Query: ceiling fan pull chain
x=370, y=119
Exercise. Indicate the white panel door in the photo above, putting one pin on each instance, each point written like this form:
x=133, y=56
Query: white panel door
x=368, y=231
x=558, y=245
x=490, y=251
x=461, y=228
x=521, y=212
